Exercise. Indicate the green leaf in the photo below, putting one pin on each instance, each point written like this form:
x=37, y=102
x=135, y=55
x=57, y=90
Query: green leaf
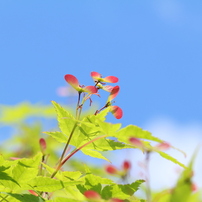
x=170, y=158
x=26, y=169
x=102, y=115
x=108, y=128
x=65, y=120
x=105, y=144
x=59, y=136
x=61, y=199
x=67, y=124
x=129, y=131
x=7, y=181
x=121, y=191
x=126, y=133
x=93, y=182
x=64, y=175
x=84, y=131
x=73, y=193
x=16, y=177
x=47, y=184
x=94, y=154
x=96, y=124
x=10, y=197
x=15, y=114
x=89, y=126
x=70, y=175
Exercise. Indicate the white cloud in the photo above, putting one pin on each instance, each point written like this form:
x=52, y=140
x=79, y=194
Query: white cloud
x=164, y=173
x=185, y=137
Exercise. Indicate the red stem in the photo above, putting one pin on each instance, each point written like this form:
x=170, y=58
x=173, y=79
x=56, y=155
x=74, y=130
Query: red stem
x=75, y=151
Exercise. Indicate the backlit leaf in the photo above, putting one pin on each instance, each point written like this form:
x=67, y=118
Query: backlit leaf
x=121, y=191
x=94, y=154
x=59, y=136
x=47, y=184
x=170, y=158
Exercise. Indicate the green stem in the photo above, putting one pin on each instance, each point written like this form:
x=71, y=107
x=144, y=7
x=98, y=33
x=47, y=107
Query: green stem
x=78, y=104
x=67, y=144
x=41, y=166
x=81, y=106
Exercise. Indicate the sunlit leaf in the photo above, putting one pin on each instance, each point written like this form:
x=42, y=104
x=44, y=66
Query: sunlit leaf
x=23, y=170
x=47, y=184
x=13, y=197
x=168, y=157
x=93, y=182
x=121, y=191
x=59, y=136
x=94, y=154
x=63, y=199
x=20, y=112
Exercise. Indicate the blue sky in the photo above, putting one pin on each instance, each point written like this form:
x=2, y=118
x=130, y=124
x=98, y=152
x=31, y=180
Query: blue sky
x=154, y=47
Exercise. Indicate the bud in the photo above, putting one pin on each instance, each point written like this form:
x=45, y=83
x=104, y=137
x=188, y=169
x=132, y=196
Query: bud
x=42, y=144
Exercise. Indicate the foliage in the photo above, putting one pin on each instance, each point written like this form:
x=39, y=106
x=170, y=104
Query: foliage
x=39, y=172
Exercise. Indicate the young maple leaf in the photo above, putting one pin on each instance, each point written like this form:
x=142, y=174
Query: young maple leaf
x=98, y=78
x=73, y=81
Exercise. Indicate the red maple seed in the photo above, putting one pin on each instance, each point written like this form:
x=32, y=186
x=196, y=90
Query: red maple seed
x=126, y=165
x=194, y=187
x=107, y=88
x=98, y=77
x=116, y=200
x=90, y=194
x=136, y=142
x=111, y=169
x=33, y=192
x=114, y=92
x=163, y=146
x=116, y=111
x=73, y=81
